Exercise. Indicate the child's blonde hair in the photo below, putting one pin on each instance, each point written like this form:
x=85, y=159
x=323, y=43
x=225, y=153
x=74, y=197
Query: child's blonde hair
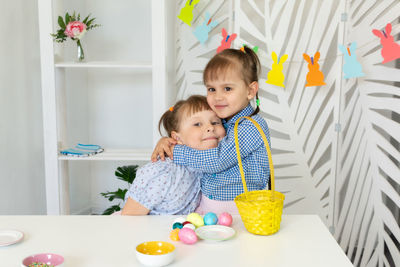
x=245, y=61
x=172, y=118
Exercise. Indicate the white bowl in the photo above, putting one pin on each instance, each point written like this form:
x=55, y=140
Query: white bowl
x=155, y=253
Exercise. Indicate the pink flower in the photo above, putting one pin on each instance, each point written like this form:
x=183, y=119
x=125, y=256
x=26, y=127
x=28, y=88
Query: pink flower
x=75, y=29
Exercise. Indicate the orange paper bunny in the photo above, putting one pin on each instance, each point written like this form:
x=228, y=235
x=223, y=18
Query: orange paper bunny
x=315, y=77
x=390, y=50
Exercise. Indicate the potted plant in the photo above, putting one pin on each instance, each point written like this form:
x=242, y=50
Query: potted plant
x=75, y=29
x=126, y=174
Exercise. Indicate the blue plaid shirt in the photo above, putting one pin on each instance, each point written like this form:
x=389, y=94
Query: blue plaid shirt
x=221, y=179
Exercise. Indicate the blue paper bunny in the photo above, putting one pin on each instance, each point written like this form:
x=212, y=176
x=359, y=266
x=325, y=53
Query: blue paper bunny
x=202, y=30
x=351, y=68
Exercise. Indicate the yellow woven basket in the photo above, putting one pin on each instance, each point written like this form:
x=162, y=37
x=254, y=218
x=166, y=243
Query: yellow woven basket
x=260, y=210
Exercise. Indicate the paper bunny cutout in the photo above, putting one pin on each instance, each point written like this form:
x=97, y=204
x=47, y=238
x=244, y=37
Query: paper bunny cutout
x=226, y=40
x=315, y=77
x=351, y=68
x=275, y=75
x=390, y=50
x=186, y=14
x=202, y=30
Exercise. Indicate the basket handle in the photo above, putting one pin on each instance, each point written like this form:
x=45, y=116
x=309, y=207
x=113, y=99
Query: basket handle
x=271, y=167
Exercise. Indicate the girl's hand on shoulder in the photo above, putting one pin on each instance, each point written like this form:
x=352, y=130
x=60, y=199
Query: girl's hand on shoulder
x=165, y=146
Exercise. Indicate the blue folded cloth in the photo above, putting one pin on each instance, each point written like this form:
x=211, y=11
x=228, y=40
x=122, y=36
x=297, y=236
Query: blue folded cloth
x=89, y=148
x=82, y=150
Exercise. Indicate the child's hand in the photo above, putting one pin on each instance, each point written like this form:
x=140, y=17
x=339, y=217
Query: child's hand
x=164, y=146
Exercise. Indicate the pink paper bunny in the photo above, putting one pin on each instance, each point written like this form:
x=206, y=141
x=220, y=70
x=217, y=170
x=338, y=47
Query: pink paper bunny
x=390, y=50
x=226, y=40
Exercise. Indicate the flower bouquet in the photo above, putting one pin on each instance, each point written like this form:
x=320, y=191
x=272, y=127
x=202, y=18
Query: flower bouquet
x=73, y=28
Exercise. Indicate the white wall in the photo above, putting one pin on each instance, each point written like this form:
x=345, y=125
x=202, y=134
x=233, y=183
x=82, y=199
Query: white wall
x=21, y=143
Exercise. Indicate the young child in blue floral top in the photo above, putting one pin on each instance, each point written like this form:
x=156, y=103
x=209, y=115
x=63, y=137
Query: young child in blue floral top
x=164, y=187
x=231, y=78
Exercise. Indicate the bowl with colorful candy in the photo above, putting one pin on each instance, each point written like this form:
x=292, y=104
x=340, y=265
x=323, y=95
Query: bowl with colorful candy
x=210, y=228
x=43, y=260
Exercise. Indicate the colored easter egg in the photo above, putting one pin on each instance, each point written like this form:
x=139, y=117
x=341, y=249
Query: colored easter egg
x=174, y=235
x=210, y=218
x=179, y=220
x=190, y=226
x=195, y=219
x=187, y=236
x=177, y=225
x=185, y=222
x=225, y=219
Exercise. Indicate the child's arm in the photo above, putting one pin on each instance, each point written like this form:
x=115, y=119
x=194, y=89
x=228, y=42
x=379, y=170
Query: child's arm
x=133, y=207
x=149, y=189
x=222, y=157
x=164, y=146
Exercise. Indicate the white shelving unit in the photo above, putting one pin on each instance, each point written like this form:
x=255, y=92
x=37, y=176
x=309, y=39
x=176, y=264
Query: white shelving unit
x=53, y=74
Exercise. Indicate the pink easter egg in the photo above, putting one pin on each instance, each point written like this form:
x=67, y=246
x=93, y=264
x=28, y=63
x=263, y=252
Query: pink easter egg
x=225, y=219
x=187, y=236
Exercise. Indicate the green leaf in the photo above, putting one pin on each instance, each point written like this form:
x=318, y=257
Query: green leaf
x=79, y=17
x=85, y=20
x=61, y=22
x=126, y=173
x=90, y=22
x=112, y=209
x=67, y=18
x=119, y=194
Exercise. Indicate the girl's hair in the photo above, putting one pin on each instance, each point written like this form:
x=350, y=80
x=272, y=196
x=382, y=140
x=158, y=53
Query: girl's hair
x=172, y=118
x=246, y=62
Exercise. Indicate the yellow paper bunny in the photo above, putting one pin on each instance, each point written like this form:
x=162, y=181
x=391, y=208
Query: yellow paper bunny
x=275, y=75
x=186, y=14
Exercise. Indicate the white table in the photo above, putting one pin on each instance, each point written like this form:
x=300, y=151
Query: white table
x=97, y=241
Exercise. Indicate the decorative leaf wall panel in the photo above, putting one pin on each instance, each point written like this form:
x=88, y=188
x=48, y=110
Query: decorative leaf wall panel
x=301, y=119
x=335, y=147
x=192, y=56
x=368, y=181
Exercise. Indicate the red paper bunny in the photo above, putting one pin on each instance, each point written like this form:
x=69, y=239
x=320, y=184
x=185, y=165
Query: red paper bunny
x=226, y=40
x=390, y=50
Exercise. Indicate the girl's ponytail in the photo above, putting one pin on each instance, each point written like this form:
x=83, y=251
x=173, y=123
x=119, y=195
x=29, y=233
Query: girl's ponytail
x=169, y=121
x=255, y=67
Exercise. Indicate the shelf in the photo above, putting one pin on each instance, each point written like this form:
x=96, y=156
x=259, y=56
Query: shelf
x=115, y=154
x=140, y=66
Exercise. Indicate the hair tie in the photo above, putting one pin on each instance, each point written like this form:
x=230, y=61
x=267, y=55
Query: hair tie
x=258, y=102
x=171, y=108
x=242, y=49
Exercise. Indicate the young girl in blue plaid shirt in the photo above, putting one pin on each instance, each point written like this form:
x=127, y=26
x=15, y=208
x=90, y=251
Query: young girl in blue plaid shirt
x=231, y=78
